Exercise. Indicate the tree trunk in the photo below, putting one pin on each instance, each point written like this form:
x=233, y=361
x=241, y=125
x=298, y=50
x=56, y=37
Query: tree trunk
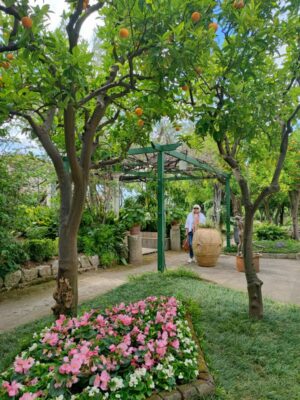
x=281, y=219
x=236, y=204
x=253, y=283
x=294, y=196
x=267, y=211
x=276, y=217
x=66, y=293
x=217, y=204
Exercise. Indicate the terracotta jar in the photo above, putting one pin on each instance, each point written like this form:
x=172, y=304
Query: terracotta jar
x=207, y=246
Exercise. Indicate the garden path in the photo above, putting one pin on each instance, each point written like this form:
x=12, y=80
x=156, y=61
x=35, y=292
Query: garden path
x=281, y=282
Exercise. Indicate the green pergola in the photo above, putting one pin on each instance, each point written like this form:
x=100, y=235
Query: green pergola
x=171, y=150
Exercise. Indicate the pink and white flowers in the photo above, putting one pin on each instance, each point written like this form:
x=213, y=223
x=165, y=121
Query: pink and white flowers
x=127, y=350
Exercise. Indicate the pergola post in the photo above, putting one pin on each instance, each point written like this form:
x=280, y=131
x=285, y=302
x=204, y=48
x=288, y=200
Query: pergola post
x=161, y=263
x=227, y=195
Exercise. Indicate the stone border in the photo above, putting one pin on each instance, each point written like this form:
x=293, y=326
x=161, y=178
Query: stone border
x=199, y=388
x=287, y=256
x=43, y=273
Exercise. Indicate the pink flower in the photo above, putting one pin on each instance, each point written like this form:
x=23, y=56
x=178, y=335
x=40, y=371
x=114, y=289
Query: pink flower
x=51, y=338
x=175, y=344
x=29, y=396
x=125, y=319
x=23, y=366
x=12, y=388
x=101, y=320
x=141, y=338
x=33, y=382
x=102, y=380
x=159, y=318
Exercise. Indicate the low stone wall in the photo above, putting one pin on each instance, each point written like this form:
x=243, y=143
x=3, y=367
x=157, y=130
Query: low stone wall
x=149, y=240
x=43, y=273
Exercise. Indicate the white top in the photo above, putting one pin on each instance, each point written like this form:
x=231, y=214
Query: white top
x=190, y=221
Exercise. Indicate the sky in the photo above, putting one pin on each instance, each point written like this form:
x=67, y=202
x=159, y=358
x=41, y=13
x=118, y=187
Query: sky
x=57, y=6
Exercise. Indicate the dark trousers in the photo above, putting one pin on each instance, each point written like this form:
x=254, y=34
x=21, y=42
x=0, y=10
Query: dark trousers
x=190, y=238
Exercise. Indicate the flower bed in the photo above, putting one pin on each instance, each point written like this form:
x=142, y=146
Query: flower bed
x=125, y=353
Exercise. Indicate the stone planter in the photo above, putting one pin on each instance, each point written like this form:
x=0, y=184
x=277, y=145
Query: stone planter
x=135, y=229
x=240, y=264
x=207, y=246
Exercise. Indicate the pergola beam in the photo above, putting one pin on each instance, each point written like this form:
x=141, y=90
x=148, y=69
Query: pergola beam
x=196, y=163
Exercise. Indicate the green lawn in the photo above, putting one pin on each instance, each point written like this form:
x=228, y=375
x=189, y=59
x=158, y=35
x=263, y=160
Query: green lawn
x=249, y=360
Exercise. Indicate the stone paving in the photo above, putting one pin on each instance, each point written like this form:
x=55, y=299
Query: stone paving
x=281, y=282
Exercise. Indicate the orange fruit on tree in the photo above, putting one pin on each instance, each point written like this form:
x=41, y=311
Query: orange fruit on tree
x=177, y=128
x=27, y=22
x=10, y=56
x=124, y=33
x=196, y=16
x=185, y=87
x=214, y=26
x=238, y=4
x=140, y=122
x=139, y=111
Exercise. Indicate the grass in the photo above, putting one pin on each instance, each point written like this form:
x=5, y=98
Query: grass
x=284, y=246
x=249, y=360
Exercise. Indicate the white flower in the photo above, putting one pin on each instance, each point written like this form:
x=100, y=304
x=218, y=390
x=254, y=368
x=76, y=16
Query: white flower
x=159, y=367
x=133, y=381
x=188, y=362
x=33, y=347
x=60, y=397
x=180, y=376
x=117, y=384
x=140, y=372
x=92, y=391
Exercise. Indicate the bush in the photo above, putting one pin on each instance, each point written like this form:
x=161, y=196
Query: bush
x=41, y=249
x=38, y=222
x=107, y=241
x=12, y=254
x=270, y=232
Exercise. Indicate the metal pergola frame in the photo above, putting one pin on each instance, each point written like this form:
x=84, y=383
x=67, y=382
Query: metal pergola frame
x=171, y=150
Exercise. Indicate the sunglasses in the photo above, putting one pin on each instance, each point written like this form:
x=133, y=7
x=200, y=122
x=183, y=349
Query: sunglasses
x=196, y=208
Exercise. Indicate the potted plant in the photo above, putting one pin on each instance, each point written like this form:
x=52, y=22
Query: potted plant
x=134, y=217
x=175, y=217
x=240, y=262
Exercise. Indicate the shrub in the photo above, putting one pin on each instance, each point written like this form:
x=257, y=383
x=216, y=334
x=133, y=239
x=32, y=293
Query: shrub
x=270, y=232
x=125, y=353
x=107, y=241
x=41, y=249
x=12, y=254
x=38, y=222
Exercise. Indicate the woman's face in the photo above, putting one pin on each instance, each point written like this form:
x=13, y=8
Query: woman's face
x=196, y=210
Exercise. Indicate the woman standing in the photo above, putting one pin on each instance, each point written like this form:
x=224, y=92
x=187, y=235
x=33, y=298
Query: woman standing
x=194, y=219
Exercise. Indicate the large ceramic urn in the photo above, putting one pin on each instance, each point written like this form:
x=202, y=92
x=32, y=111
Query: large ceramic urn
x=207, y=246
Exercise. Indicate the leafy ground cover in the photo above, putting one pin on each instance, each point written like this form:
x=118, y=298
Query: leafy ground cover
x=249, y=360
x=283, y=246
